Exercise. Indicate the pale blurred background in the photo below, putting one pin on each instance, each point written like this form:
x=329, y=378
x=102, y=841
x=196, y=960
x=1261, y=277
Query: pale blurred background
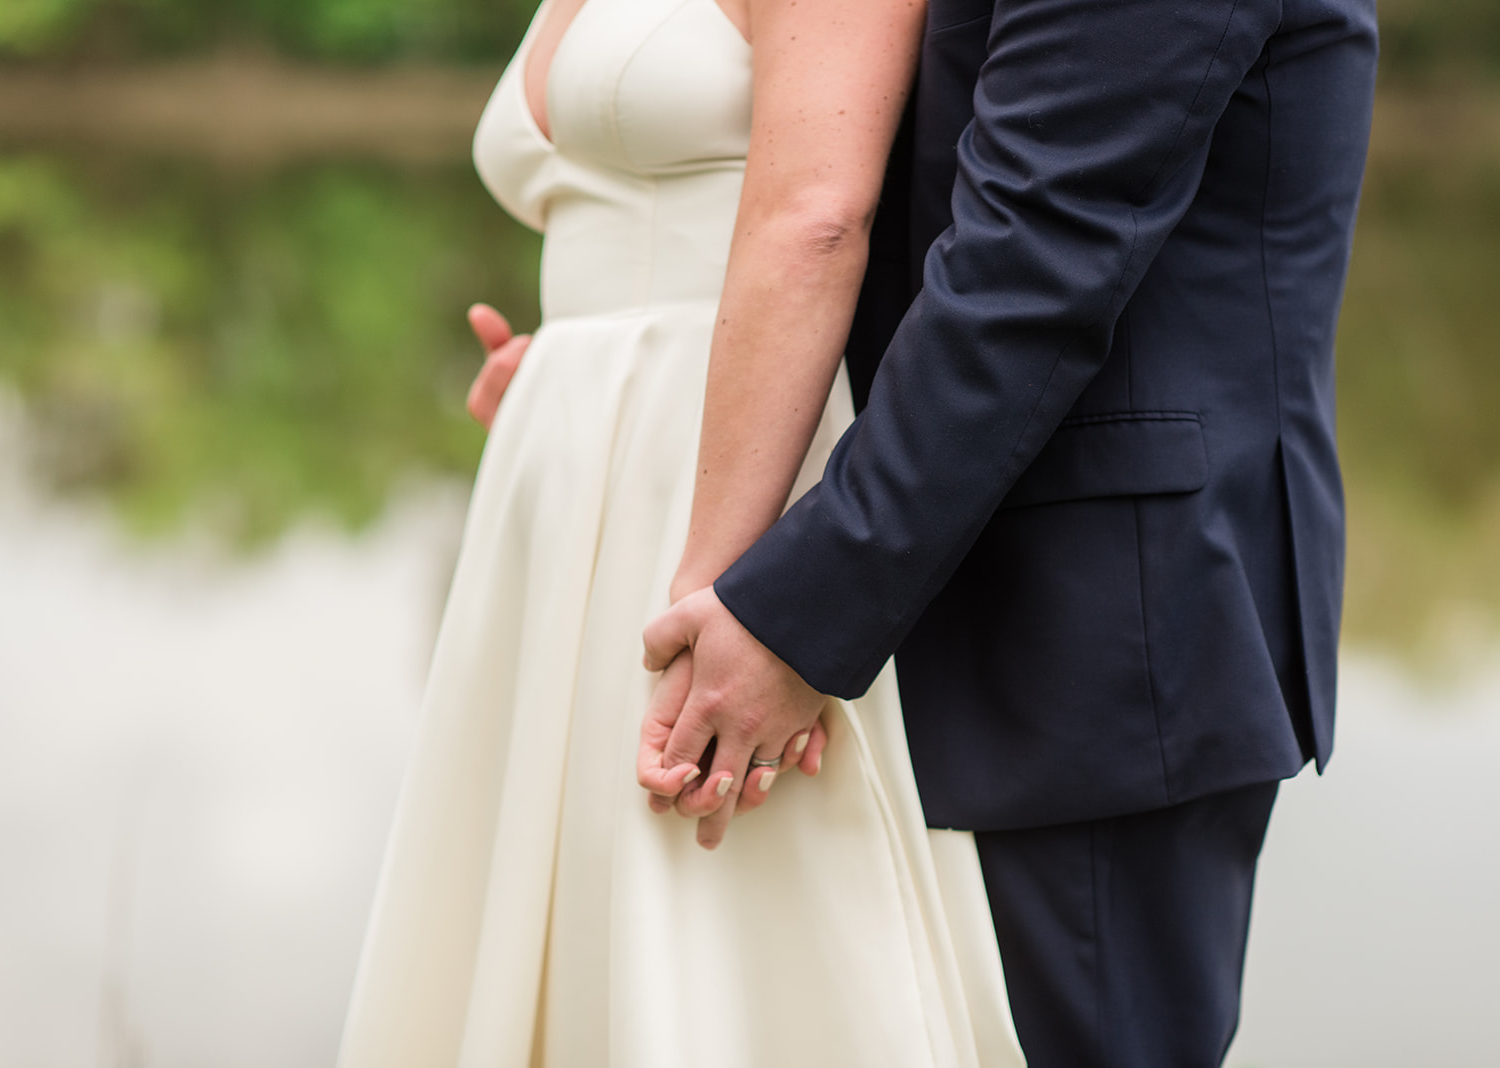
x=236, y=241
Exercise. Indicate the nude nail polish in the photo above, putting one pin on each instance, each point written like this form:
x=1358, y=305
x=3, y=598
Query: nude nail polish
x=802, y=740
x=724, y=785
x=766, y=780
x=690, y=776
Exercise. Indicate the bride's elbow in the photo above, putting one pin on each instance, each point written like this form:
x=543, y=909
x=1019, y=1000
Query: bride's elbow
x=830, y=237
x=825, y=228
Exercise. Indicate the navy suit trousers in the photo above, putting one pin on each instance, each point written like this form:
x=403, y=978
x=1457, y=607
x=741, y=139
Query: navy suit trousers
x=1123, y=939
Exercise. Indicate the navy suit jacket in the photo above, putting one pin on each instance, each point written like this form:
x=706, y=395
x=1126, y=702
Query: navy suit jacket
x=1092, y=500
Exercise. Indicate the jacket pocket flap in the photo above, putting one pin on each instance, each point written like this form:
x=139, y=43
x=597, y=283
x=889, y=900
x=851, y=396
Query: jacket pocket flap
x=1115, y=454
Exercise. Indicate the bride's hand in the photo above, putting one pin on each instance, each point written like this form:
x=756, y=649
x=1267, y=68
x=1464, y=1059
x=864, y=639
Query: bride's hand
x=503, y=352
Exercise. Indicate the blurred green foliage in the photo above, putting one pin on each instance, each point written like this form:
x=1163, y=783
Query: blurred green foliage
x=243, y=351
x=1418, y=386
x=340, y=30
x=1422, y=40
x=196, y=346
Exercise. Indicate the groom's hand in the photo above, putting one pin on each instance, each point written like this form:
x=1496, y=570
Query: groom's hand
x=735, y=693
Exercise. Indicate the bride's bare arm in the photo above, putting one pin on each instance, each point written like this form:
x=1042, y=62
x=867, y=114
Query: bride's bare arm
x=830, y=81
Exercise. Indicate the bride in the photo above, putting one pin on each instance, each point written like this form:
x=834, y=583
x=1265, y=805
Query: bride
x=702, y=204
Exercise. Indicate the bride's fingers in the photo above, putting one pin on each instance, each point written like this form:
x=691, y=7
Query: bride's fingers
x=664, y=778
x=803, y=750
x=692, y=741
x=494, y=378
x=758, y=780
x=810, y=761
x=713, y=796
x=676, y=780
x=726, y=782
x=702, y=797
x=489, y=326
x=797, y=746
x=707, y=795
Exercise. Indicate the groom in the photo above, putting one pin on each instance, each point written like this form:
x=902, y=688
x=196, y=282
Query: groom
x=1092, y=501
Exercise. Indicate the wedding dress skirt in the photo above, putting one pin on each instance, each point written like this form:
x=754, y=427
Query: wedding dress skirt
x=532, y=910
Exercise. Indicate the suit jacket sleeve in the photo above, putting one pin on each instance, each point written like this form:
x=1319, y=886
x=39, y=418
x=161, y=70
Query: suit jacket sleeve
x=1092, y=121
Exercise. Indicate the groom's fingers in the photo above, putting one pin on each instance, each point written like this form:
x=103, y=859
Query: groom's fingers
x=669, y=634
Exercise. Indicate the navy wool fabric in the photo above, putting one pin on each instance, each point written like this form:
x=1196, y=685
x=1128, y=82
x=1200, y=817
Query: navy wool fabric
x=1124, y=938
x=1092, y=500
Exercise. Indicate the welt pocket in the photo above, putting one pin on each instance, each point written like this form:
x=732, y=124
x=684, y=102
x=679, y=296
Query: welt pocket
x=1115, y=454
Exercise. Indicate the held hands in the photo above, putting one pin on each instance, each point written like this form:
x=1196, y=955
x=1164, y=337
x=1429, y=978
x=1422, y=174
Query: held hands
x=723, y=698
x=503, y=352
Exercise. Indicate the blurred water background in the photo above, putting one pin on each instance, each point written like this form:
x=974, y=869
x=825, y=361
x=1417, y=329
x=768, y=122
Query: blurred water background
x=237, y=238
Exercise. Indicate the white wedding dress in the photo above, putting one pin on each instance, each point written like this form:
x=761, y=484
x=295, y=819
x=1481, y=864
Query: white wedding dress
x=532, y=910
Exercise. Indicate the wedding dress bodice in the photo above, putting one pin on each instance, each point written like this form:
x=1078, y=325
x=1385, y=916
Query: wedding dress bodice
x=649, y=107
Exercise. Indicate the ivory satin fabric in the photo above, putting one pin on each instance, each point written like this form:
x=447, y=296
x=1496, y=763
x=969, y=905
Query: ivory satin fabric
x=531, y=910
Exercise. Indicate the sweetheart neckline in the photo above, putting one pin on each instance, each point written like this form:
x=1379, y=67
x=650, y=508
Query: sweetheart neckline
x=523, y=55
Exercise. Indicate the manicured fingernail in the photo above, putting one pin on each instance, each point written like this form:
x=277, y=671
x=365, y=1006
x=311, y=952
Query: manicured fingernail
x=690, y=776
x=766, y=780
x=818, y=764
x=802, y=740
x=724, y=784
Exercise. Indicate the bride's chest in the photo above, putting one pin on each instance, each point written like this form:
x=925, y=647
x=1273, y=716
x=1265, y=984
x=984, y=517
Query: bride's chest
x=650, y=85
